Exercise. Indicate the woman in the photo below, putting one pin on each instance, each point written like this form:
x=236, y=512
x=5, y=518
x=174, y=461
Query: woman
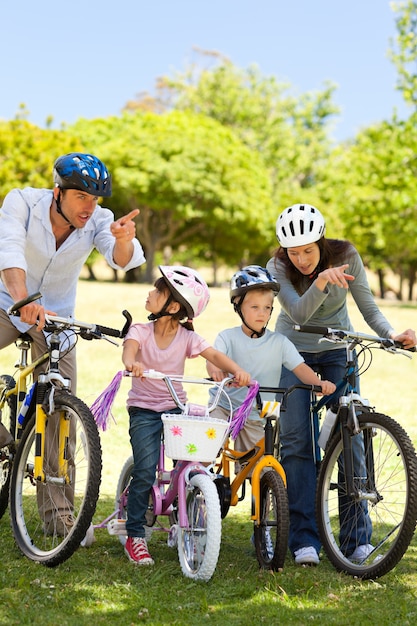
x=315, y=275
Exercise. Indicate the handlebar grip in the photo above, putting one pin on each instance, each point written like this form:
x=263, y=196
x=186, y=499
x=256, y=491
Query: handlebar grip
x=317, y=330
x=111, y=332
x=14, y=309
x=398, y=344
x=127, y=323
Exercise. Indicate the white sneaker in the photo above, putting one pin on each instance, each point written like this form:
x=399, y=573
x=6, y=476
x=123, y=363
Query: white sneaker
x=361, y=552
x=306, y=556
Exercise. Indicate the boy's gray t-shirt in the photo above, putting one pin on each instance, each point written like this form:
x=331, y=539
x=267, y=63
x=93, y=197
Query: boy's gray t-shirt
x=262, y=357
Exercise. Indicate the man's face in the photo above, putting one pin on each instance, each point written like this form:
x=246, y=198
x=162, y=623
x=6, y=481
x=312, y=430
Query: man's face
x=77, y=206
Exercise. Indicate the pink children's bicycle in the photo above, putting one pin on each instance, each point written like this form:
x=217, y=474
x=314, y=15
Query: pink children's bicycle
x=184, y=500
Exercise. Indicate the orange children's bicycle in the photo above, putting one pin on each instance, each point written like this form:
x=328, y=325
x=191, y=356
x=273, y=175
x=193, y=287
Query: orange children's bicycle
x=265, y=474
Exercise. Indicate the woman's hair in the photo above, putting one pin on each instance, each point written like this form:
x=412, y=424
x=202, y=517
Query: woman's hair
x=162, y=285
x=333, y=252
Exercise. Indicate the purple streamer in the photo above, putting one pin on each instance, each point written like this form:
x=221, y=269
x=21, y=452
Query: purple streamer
x=101, y=407
x=242, y=413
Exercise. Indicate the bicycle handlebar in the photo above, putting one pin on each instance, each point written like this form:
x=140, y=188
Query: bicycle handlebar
x=87, y=330
x=336, y=334
x=169, y=379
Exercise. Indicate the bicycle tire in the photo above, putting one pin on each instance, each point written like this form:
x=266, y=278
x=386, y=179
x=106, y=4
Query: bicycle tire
x=393, y=513
x=199, y=544
x=271, y=535
x=121, y=497
x=8, y=419
x=53, y=541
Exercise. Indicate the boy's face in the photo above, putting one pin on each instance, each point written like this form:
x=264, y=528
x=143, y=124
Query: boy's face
x=257, y=309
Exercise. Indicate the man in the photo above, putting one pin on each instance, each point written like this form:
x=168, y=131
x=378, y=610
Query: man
x=46, y=236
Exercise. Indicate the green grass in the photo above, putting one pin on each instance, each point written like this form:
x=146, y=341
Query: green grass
x=99, y=586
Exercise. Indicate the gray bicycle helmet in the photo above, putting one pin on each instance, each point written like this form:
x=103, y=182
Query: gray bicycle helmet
x=84, y=172
x=299, y=225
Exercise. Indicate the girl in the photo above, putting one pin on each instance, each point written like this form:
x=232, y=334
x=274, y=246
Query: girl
x=163, y=344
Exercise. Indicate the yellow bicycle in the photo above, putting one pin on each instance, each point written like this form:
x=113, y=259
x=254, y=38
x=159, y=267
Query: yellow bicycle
x=50, y=452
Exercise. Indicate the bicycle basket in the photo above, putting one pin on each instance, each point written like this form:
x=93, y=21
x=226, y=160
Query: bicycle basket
x=193, y=437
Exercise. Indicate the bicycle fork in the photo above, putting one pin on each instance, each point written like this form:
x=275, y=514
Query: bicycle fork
x=267, y=461
x=44, y=397
x=358, y=461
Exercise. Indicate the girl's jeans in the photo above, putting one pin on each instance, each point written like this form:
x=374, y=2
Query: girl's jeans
x=145, y=437
x=298, y=437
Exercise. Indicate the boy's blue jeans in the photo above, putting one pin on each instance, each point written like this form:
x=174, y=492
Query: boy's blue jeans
x=145, y=437
x=298, y=438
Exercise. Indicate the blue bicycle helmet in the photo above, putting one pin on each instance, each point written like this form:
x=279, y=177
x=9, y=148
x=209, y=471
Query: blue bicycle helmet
x=84, y=172
x=249, y=278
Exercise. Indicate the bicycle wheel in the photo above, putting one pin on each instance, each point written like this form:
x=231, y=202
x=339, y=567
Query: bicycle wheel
x=388, y=498
x=122, y=494
x=271, y=536
x=7, y=451
x=50, y=519
x=199, y=543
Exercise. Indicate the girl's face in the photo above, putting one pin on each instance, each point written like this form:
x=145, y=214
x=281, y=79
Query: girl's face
x=156, y=300
x=257, y=309
x=305, y=258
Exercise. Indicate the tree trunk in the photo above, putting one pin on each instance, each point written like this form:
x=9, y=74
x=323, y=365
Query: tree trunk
x=381, y=283
x=411, y=280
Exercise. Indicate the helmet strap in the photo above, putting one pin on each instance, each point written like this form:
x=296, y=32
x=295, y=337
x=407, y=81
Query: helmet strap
x=60, y=211
x=163, y=312
x=255, y=333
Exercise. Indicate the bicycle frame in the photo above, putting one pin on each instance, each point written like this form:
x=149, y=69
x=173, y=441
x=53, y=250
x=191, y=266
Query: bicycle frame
x=256, y=460
x=346, y=396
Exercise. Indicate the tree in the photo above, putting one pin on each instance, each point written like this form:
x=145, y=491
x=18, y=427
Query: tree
x=403, y=51
x=370, y=184
x=289, y=132
x=27, y=154
x=193, y=180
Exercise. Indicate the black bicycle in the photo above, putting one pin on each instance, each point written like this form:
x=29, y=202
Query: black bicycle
x=366, y=500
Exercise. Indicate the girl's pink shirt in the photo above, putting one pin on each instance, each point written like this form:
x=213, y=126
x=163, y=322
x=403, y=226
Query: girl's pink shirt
x=153, y=394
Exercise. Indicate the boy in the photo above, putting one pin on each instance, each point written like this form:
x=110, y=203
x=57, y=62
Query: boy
x=258, y=350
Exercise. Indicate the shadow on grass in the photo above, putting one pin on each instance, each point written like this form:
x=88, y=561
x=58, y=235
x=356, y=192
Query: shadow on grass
x=98, y=585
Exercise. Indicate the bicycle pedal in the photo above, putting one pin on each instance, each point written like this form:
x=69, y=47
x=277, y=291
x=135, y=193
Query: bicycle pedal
x=117, y=527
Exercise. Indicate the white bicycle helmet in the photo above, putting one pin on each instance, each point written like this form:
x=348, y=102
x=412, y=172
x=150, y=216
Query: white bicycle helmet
x=299, y=225
x=188, y=287
x=251, y=277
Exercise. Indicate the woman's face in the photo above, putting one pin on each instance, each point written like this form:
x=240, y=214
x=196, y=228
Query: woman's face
x=305, y=258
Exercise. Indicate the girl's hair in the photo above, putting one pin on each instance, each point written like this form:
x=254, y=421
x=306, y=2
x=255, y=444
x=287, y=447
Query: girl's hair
x=162, y=285
x=332, y=252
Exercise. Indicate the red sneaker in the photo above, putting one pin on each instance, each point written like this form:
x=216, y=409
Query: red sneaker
x=137, y=551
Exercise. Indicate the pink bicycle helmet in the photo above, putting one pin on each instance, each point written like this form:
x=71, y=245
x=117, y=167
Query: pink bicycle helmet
x=299, y=225
x=188, y=287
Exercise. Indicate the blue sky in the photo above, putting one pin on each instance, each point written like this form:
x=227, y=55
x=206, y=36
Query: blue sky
x=87, y=59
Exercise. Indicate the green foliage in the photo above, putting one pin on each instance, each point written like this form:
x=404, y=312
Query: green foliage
x=404, y=50
x=27, y=154
x=370, y=184
x=192, y=179
x=288, y=131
